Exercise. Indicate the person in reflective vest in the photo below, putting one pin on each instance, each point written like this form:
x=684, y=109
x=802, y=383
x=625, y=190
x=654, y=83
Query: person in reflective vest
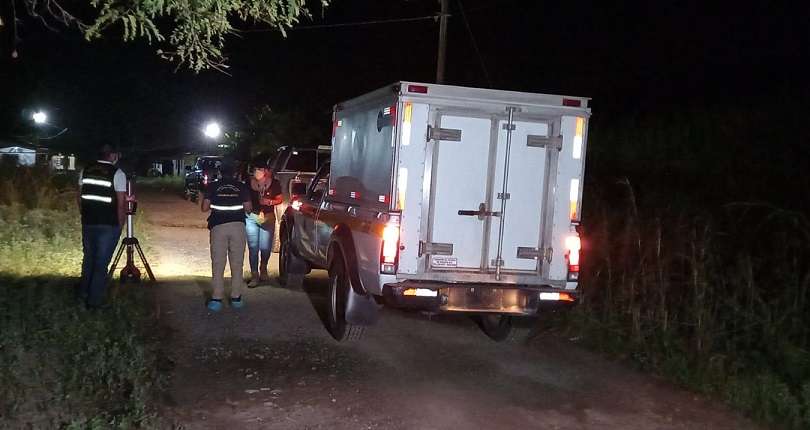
x=102, y=201
x=228, y=200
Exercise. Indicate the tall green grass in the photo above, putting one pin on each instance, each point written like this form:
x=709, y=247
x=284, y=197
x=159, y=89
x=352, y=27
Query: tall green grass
x=62, y=366
x=687, y=278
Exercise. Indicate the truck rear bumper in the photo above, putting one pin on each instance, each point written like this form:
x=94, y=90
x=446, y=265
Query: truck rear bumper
x=477, y=298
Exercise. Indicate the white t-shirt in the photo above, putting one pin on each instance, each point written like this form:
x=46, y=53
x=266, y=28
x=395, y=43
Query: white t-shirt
x=119, y=180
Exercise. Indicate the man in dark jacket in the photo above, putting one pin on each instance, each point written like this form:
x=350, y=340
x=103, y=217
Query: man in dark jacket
x=102, y=200
x=228, y=200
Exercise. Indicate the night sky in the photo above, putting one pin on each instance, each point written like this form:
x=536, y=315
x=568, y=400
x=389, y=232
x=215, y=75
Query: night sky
x=629, y=56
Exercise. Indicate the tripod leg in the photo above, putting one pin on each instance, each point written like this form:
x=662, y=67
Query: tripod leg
x=116, y=259
x=145, y=263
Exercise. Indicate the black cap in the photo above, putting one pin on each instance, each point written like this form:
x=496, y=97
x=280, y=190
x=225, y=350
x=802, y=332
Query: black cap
x=227, y=167
x=259, y=162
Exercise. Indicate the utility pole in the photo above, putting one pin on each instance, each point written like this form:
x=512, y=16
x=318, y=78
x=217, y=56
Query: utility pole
x=440, y=64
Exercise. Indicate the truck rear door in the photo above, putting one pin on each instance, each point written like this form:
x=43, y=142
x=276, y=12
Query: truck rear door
x=468, y=227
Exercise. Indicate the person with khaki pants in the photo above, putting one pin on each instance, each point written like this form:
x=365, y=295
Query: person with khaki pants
x=228, y=200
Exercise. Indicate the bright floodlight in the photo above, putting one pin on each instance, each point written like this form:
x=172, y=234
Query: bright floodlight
x=212, y=130
x=39, y=117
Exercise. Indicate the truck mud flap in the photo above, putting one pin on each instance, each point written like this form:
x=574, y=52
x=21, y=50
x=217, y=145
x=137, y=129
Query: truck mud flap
x=361, y=310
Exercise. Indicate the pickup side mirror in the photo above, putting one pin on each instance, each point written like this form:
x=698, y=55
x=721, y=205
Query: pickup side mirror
x=297, y=189
x=316, y=195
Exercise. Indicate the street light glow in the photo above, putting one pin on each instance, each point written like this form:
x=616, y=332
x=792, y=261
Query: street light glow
x=212, y=130
x=39, y=117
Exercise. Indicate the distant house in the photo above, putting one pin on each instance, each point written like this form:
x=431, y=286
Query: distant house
x=23, y=154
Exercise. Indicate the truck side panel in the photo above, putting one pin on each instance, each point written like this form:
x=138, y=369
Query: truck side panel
x=363, y=155
x=568, y=192
x=361, y=180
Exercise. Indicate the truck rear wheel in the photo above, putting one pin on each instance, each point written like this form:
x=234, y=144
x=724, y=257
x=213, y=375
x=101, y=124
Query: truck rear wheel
x=508, y=328
x=338, y=298
x=288, y=260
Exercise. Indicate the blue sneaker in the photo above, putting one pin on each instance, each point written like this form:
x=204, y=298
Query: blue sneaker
x=214, y=305
x=236, y=302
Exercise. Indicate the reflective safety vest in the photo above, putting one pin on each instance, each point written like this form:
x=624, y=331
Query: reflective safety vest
x=227, y=202
x=99, y=202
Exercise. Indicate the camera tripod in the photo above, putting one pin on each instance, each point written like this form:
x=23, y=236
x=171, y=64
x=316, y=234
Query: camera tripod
x=130, y=243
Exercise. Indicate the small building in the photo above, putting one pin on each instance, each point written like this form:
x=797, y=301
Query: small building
x=23, y=154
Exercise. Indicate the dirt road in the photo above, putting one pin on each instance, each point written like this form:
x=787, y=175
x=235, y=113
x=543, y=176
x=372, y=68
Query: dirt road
x=272, y=365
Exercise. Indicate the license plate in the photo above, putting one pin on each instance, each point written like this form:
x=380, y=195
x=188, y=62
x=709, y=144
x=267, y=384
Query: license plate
x=442, y=261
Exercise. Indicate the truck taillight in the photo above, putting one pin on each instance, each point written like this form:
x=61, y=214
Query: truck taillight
x=205, y=179
x=389, y=255
x=296, y=204
x=572, y=248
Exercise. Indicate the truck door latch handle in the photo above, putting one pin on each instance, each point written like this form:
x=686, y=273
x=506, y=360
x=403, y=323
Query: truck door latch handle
x=481, y=213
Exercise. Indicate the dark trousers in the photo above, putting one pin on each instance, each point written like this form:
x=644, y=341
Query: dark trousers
x=98, y=245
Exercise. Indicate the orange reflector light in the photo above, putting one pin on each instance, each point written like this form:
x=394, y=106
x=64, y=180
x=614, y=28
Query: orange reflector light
x=578, y=136
x=408, y=114
x=573, y=197
x=420, y=292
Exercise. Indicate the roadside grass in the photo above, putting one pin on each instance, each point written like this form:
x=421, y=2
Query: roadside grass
x=173, y=184
x=62, y=366
x=696, y=253
x=714, y=297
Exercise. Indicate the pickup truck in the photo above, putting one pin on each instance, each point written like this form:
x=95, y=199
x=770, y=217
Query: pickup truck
x=293, y=165
x=444, y=199
x=204, y=171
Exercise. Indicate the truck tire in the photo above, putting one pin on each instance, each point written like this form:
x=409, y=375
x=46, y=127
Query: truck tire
x=287, y=261
x=338, y=296
x=506, y=328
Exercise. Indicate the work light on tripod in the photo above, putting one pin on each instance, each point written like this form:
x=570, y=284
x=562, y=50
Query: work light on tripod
x=130, y=273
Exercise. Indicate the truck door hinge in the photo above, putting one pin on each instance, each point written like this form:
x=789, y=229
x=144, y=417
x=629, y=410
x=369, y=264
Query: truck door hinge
x=509, y=127
x=435, y=248
x=549, y=252
x=449, y=134
x=496, y=262
x=504, y=196
x=544, y=142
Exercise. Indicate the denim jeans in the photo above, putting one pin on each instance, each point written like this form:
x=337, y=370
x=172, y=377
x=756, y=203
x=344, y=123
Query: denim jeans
x=259, y=238
x=98, y=245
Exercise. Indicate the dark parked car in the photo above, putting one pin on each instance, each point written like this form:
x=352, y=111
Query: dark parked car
x=293, y=165
x=204, y=171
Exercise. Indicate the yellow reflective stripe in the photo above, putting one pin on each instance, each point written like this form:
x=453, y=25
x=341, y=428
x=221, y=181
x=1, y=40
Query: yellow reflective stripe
x=104, y=199
x=228, y=208
x=100, y=182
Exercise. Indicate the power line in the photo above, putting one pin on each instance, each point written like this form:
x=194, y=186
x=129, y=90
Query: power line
x=474, y=43
x=347, y=24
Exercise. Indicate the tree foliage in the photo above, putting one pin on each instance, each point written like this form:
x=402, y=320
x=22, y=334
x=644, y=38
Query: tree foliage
x=192, y=31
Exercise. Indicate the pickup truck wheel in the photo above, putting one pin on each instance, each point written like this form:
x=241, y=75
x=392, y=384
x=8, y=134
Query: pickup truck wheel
x=286, y=260
x=338, y=297
x=502, y=328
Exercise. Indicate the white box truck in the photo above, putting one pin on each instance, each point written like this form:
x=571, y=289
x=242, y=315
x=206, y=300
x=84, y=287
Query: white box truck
x=445, y=199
